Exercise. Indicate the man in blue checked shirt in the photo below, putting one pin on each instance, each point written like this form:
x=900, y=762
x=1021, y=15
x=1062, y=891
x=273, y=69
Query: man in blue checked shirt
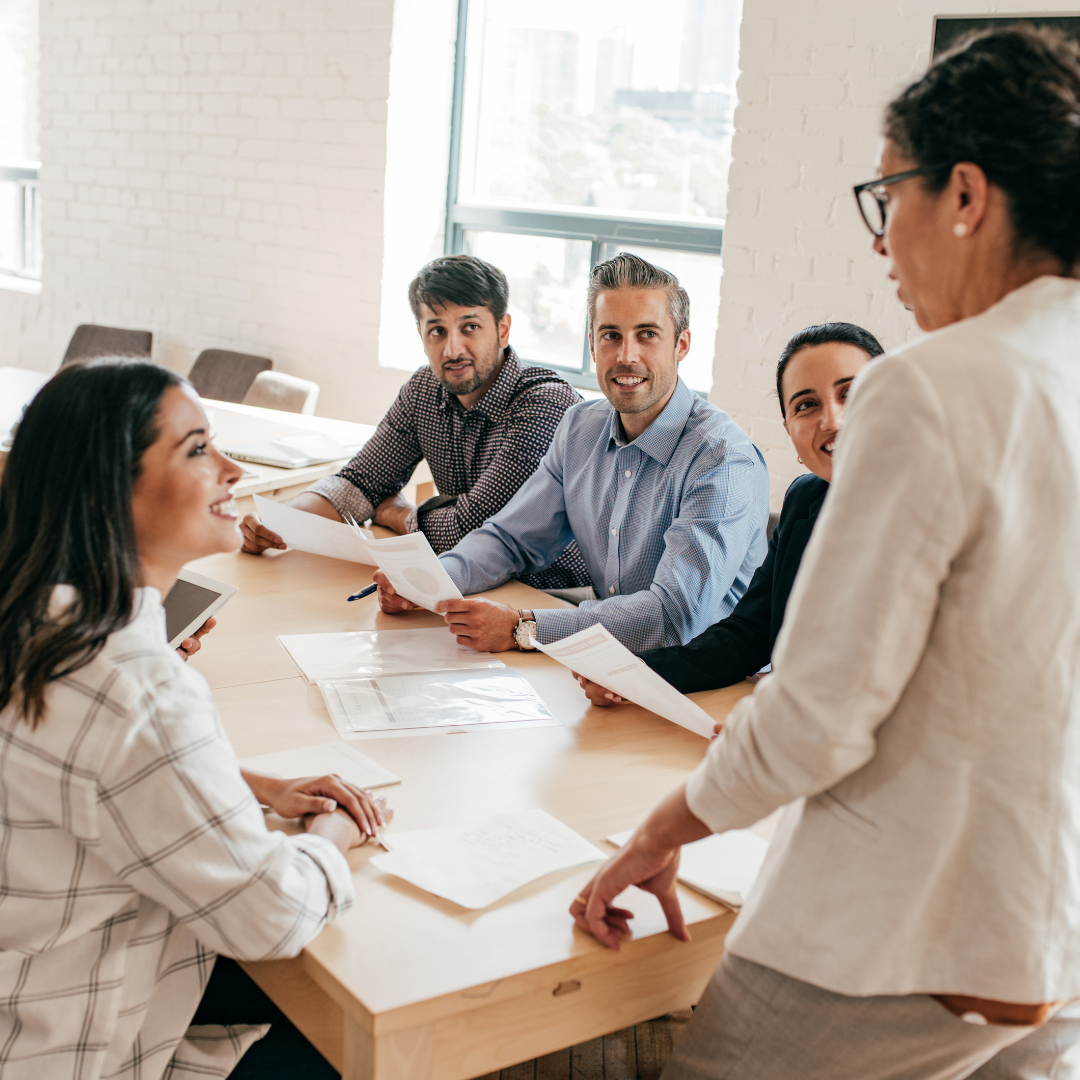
x=665, y=494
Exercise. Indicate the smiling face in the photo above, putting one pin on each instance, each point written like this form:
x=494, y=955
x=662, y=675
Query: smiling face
x=182, y=501
x=816, y=382
x=636, y=353
x=464, y=347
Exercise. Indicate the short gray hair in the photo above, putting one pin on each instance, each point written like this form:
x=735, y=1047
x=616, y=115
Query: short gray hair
x=626, y=271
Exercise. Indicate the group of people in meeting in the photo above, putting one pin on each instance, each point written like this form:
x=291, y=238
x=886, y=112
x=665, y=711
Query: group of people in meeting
x=918, y=604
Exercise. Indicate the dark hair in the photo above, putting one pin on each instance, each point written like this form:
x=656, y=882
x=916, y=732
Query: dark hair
x=842, y=333
x=460, y=279
x=626, y=271
x=66, y=518
x=1009, y=101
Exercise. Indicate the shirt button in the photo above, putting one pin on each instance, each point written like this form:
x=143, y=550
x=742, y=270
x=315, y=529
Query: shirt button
x=629, y=473
x=611, y=588
x=614, y=532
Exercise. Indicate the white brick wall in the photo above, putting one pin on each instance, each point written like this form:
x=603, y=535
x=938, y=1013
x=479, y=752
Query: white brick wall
x=815, y=76
x=213, y=172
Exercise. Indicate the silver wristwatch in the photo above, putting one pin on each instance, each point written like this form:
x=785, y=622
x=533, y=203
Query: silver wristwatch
x=525, y=630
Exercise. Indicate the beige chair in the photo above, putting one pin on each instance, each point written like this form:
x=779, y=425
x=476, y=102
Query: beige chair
x=276, y=390
x=224, y=375
x=90, y=341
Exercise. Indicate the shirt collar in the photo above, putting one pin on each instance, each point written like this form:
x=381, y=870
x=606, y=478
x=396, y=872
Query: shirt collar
x=661, y=437
x=498, y=395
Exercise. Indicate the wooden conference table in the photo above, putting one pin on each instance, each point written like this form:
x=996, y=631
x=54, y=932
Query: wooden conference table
x=407, y=986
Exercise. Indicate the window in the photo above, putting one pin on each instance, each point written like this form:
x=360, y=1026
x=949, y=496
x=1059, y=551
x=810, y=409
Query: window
x=580, y=130
x=20, y=206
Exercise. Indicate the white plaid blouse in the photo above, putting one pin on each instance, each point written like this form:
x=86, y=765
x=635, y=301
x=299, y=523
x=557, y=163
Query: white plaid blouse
x=132, y=852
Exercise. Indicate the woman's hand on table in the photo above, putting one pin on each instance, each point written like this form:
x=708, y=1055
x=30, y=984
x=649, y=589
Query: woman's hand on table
x=191, y=645
x=337, y=827
x=389, y=601
x=257, y=537
x=321, y=795
x=649, y=860
x=597, y=694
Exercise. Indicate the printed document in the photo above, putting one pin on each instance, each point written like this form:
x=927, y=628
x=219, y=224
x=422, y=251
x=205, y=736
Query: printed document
x=431, y=700
x=331, y=757
x=359, y=653
x=475, y=865
x=723, y=866
x=412, y=567
x=309, y=532
x=598, y=656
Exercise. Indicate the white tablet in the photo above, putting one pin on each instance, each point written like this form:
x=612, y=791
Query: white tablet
x=191, y=601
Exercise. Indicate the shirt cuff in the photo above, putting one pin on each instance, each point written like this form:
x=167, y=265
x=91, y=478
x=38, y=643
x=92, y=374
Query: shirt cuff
x=335, y=867
x=553, y=624
x=344, y=497
x=412, y=521
x=704, y=795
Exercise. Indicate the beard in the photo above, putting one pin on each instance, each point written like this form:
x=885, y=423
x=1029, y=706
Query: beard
x=483, y=369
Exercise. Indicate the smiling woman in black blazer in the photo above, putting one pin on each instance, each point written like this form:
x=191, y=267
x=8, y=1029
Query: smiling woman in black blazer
x=813, y=377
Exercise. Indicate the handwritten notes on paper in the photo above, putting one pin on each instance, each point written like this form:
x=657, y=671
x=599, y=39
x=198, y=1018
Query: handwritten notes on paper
x=476, y=865
x=723, y=866
x=598, y=656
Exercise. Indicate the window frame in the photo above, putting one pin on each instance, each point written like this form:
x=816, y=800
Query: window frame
x=599, y=228
x=25, y=175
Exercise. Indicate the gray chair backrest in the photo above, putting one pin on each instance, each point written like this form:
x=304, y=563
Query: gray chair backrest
x=90, y=341
x=225, y=375
x=276, y=390
x=774, y=520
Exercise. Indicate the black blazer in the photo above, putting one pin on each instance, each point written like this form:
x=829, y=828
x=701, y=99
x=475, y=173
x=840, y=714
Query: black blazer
x=743, y=642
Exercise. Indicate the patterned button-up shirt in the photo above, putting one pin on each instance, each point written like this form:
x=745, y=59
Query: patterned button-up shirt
x=131, y=853
x=478, y=457
x=671, y=525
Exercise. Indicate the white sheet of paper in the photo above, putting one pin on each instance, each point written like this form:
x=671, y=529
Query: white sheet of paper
x=475, y=865
x=364, y=653
x=431, y=699
x=594, y=653
x=309, y=532
x=332, y=757
x=412, y=567
x=723, y=866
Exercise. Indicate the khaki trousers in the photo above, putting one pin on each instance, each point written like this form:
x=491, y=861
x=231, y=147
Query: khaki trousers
x=753, y=1023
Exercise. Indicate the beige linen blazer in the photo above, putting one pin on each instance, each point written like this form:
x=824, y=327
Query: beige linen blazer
x=923, y=719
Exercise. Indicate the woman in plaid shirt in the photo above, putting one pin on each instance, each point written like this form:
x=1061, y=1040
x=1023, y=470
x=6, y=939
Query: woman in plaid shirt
x=132, y=851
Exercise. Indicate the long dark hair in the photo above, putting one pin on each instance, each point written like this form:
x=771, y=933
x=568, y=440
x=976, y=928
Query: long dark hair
x=66, y=518
x=842, y=333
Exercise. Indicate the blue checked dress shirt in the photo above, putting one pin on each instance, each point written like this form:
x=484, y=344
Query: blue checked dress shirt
x=671, y=525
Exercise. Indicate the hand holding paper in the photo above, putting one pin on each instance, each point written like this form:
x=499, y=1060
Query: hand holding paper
x=310, y=532
x=598, y=656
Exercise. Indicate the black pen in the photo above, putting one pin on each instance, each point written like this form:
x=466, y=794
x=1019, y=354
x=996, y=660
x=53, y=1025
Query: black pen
x=364, y=592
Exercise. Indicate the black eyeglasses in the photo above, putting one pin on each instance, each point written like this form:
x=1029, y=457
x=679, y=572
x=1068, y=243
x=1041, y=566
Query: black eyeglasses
x=872, y=198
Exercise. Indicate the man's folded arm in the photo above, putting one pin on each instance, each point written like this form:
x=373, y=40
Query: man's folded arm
x=859, y=615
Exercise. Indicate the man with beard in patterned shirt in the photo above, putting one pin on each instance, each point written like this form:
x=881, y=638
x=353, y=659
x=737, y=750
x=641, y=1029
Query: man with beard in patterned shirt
x=481, y=417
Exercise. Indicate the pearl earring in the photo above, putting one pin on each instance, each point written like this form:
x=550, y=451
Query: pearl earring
x=959, y=229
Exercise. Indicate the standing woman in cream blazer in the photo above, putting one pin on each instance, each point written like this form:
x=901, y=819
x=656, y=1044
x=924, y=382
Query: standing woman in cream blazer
x=919, y=912
x=132, y=848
